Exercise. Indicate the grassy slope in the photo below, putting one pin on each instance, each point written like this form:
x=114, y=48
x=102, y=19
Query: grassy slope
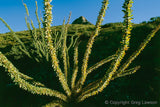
x=143, y=85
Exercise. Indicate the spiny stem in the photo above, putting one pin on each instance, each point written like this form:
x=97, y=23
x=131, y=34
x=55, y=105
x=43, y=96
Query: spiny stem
x=75, y=69
x=47, y=32
x=23, y=47
x=64, y=53
x=100, y=63
x=91, y=41
x=16, y=76
x=126, y=72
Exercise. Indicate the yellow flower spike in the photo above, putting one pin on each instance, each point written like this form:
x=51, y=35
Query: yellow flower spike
x=55, y=62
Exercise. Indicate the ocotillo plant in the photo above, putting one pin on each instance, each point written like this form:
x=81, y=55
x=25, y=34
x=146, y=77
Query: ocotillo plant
x=74, y=88
x=37, y=38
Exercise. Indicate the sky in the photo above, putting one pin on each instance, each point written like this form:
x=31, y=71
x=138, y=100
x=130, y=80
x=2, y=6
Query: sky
x=13, y=11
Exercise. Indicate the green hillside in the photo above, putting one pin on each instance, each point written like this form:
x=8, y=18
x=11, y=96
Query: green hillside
x=143, y=85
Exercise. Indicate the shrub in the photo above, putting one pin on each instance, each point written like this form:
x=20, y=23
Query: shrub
x=75, y=88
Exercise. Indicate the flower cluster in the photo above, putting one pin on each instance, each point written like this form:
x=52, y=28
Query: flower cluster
x=55, y=62
x=47, y=17
x=127, y=23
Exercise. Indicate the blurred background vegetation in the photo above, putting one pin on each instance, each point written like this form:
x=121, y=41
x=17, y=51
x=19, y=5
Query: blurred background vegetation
x=143, y=85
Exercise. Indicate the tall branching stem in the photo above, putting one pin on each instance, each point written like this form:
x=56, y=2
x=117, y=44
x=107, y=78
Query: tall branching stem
x=55, y=62
x=22, y=47
x=90, y=44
